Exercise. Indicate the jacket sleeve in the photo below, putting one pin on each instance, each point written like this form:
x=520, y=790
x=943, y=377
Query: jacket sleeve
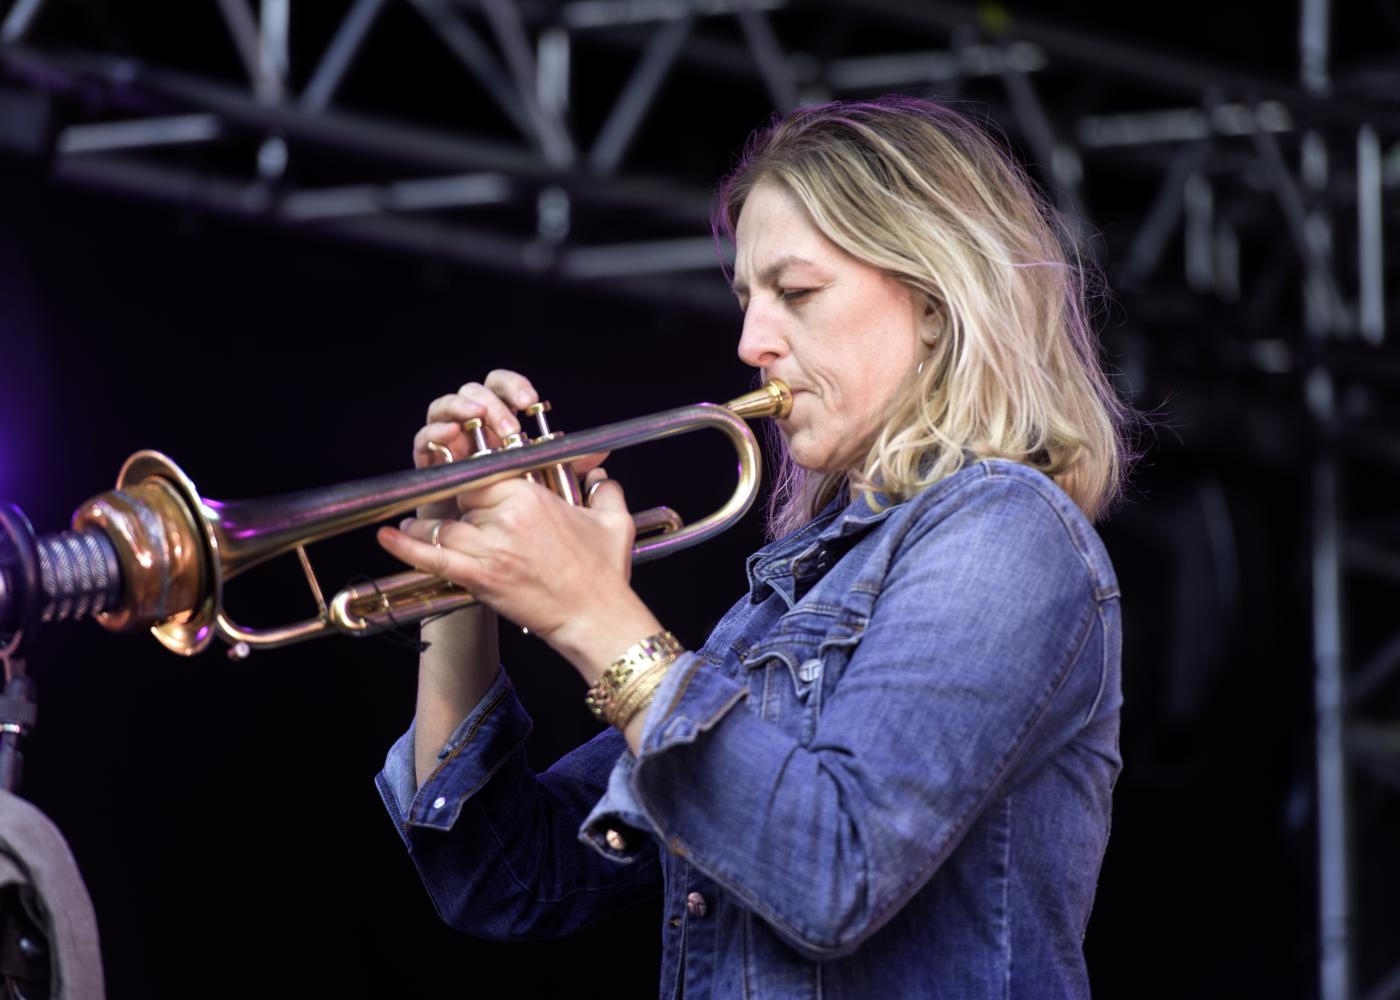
x=496, y=844
x=983, y=653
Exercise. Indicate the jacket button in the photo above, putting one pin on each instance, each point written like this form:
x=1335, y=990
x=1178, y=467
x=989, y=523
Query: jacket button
x=695, y=905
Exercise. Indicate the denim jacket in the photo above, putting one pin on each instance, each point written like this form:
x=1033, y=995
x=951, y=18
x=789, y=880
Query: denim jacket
x=887, y=773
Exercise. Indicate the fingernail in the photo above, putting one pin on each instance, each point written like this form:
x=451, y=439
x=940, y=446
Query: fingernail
x=403, y=525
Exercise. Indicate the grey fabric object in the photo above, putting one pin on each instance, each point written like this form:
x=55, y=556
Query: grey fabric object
x=34, y=853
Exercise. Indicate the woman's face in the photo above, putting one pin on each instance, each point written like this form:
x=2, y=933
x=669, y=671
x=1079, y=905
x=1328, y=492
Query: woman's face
x=845, y=337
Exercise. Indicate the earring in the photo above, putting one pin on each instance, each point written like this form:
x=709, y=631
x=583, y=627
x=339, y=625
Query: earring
x=920, y=369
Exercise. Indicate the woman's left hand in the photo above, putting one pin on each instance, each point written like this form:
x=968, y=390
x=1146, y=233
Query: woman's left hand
x=561, y=571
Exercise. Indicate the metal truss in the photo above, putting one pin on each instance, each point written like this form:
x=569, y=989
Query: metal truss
x=1264, y=209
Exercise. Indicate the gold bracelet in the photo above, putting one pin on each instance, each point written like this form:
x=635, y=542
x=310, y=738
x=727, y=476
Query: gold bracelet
x=636, y=695
x=638, y=657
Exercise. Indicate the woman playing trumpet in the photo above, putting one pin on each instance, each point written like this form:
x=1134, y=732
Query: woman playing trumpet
x=888, y=770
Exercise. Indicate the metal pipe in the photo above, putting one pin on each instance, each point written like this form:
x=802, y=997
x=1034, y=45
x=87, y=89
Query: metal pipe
x=18, y=20
x=769, y=58
x=1370, y=236
x=349, y=37
x=1329, y=701
x=637, y=95
x=138, y=133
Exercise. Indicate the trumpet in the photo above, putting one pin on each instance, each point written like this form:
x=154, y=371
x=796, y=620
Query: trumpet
x=154, y=552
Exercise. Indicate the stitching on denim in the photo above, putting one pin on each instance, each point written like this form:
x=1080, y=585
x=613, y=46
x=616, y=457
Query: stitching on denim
x=1103, y=666
x=680, y=690
x=768, y=698
x=799, y=635
x=1072, y=526
x=480, y=721
x=803, y=607
x=1006, y=898
x=705, y=724
x=745, y=952
x=391, y=802
x=680, y=968
x=709, y=723
x=489, y=774
x=776, y=650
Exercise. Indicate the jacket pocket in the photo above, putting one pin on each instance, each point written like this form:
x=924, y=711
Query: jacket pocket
x=791, y=672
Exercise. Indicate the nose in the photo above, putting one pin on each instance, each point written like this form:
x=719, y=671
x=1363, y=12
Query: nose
x=763, y=341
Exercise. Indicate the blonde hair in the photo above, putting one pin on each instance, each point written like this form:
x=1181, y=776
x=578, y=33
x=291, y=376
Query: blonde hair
x=921, y=193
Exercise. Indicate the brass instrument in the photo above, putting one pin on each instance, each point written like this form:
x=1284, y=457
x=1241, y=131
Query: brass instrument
x=176, y=550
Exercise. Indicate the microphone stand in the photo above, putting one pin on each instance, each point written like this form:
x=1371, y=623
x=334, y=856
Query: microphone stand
x=20, y=590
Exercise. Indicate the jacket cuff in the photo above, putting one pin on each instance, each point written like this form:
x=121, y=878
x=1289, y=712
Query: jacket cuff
x=481, y=743
x=690, y=699
x=617, y=828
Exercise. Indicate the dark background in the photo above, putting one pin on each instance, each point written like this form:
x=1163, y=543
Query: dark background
x=223, y=813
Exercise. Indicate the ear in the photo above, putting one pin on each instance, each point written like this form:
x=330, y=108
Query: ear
x=932, y=322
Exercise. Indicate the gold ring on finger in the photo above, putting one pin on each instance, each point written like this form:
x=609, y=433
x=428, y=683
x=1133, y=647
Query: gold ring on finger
x=437, y=530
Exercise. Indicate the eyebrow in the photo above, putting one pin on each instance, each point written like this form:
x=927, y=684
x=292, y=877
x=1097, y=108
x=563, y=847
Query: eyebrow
x=771, y=272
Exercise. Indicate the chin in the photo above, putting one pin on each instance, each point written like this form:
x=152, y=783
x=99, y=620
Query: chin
x=818, y=463
x=808, y=454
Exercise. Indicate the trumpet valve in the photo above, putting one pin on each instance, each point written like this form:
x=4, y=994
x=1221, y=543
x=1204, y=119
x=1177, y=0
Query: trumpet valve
x=558, y=477
x=519, y=440
x=473, y=429
x=538, y=411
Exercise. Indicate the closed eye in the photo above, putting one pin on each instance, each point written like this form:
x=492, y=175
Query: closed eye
x=793, y=294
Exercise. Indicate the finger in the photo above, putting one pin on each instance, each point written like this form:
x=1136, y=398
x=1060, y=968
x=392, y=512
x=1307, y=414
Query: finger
x=499, y=419
x=413, y=545
x=422, y=528
x=512, y=387
x=447, y=435
x=587, y=463
x=480, y=502
x=475, y=400
x=454, y=408
x=603, y=493
x=419, y=554
x=457, y=408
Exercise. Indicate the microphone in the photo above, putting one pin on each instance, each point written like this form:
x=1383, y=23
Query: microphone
x=52, y=578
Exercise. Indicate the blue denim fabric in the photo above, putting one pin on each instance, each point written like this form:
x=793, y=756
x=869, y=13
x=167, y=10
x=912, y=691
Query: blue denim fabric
x=887, y=773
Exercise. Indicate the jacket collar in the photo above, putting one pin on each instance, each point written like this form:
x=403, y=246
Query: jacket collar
x=807, y=553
